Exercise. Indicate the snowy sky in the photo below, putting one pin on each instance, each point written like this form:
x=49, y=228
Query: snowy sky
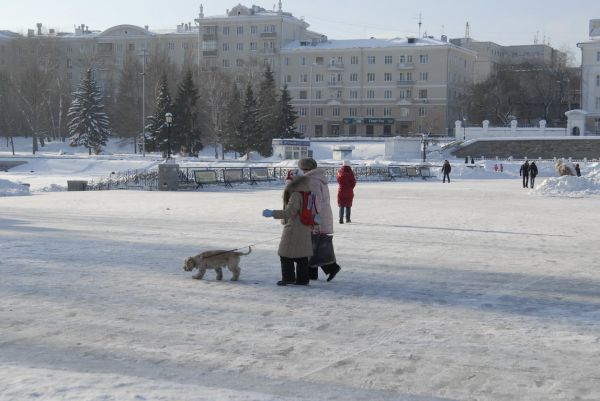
x=513, y=22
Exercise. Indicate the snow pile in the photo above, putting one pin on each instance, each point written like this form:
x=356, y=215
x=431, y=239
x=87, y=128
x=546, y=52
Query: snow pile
x=9, y=188
x=569, y=186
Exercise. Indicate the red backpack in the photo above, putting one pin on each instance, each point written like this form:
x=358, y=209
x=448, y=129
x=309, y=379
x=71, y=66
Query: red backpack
x=309, y=215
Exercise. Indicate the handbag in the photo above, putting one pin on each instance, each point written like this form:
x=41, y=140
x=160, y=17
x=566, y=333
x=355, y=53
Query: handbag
x=323, y=253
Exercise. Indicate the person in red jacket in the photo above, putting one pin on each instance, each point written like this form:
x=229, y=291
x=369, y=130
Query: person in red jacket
x=347, y=182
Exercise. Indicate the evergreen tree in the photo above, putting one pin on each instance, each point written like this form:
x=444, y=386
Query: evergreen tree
x=233, y=112
x=88, y=123
x=186, y=128
x=125, y=113
x=157, y=137
x=248, y=137
x=268, y=105
x=286, y=116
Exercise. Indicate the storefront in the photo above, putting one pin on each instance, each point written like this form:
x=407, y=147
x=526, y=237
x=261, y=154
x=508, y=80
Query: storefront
x=291, y=149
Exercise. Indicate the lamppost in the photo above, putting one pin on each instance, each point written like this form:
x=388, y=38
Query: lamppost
x=169, y=122
x=424, y=146
x=144, y=53
x=310, y=99
x=464, y=128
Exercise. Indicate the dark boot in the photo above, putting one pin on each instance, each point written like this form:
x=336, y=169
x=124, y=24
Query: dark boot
x=301, y=271
x=313, y=273
x=333, y=271
x=348, y=215
x=288, y=274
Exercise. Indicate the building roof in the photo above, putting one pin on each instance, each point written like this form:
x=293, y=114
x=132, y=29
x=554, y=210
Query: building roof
x=307, y=45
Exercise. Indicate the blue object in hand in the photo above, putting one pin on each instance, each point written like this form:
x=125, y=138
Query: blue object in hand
x=267, y=213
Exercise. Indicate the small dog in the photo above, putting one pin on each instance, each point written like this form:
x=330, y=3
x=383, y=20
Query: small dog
x=215, y=260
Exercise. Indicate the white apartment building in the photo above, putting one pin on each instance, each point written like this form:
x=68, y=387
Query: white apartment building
x=376, y=87
x=590, y=78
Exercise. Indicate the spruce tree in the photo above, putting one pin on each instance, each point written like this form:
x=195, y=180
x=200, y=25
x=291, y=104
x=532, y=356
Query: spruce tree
x=125, y=112
x=157, y=136
x=186, y=128
x=286, y=116
x=249, y=130
x=267, y=112
x=233, y=112
x=88, y=124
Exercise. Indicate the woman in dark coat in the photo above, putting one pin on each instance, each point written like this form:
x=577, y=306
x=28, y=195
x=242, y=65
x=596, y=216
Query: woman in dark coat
x=347, y=182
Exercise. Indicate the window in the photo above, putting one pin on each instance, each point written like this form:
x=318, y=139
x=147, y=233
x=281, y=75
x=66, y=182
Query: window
x=387, y=94
x=598, y=103
x=302, y=111
x=353, y=94
x=370, y=111
x=370, y=130
x=598, y=56
x=287, y=61
x=318, y=94
x=171, y=46
x=239, y=47
x=319, y=112
x=422, y=93
x=423, y=58
x=302, y=128
x=421, y=111
x=225, y=63
x=225, y=30
x=239, y=62
x=319, y=60
x=69, y=63
x=353, y=59
x=319, y=78
x=371, y=76
x=318, y=130
x=597, y=80
x=303, y=60
x=352, y=130
x=354, y=77
x=225, y=47
x=288, y=79
x=353, y=112
x=388, y=60
x=371, y=60
x=253, y=46
x=131, y=47
x=387, y=77
x=387, y=130
x=335, y=112
x=423, y=75
x=253, y=29
x=409, y=59
x=339, y=94
x=302, y=95
x=304, y=78
x=240, y=30
x=370, y=94
x=387, y=111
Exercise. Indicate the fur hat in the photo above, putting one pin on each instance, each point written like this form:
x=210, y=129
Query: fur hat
x=307, y=164
x=347, y=163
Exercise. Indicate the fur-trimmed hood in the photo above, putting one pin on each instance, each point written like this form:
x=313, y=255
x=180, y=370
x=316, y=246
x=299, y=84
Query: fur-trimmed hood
x=298, y=184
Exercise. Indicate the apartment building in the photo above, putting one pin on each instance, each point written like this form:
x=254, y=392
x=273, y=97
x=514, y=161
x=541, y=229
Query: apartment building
x=590, y=77
x=376, y=87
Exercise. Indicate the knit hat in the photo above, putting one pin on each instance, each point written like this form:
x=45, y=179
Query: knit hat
x=307, y=164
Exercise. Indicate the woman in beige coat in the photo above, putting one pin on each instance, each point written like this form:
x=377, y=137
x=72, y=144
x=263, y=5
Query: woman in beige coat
x=295, y=246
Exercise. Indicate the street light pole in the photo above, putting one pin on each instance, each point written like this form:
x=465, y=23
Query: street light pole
x=464, y=128
x=169, y=122
x=310, y=100
x=144, y=53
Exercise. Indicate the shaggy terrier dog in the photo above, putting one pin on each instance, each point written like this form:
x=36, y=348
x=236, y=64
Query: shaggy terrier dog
x=216, y=260
x=564, y=168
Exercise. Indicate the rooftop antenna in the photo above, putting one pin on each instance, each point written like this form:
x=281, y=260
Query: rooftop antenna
x=201, y=11
x=280, y=7
x=420, y=23
x=467, y=30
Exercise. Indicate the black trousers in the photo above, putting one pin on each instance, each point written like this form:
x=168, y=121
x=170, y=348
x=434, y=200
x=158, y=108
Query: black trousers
x=347, y=209
x=532, y=181
x=525, y=181
x=294, y=274
x=446, y=175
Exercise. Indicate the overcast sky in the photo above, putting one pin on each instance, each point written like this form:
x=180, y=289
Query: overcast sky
x=508, y=22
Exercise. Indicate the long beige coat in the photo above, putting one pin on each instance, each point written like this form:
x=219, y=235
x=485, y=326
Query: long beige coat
x=295, y=238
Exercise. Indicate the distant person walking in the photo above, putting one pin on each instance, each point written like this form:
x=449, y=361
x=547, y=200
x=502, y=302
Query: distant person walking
x=533, y=172
x=577, y=170
x=446, y=168
x=345, y=195
x=524, y=172
x=501, y=167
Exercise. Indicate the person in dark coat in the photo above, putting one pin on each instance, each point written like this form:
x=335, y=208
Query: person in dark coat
x=345, y=195
x=533, y=172
x=446, y=168
x=524, y=172
x=577, y=170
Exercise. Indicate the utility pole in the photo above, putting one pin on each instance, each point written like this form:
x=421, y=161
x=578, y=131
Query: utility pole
x=144, y=54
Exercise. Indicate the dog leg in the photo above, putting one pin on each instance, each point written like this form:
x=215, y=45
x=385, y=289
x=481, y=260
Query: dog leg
x=235, y=271
x=200, y=274
x=219, y=273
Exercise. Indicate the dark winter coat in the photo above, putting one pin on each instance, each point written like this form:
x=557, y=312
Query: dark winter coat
x=446, y=168
x=533, y=170
x=524, y=170
x=296, y=239
x=347, y=182
x=577, y=171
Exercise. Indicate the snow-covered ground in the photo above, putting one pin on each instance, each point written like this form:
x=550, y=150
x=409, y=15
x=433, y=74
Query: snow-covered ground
x=474, y=290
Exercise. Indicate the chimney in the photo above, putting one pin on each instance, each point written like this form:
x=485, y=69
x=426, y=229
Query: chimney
x=39, y=28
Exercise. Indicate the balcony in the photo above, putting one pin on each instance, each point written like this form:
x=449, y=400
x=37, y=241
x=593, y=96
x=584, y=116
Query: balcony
x=335, y=84
x=335, y=66
x=209, y=37
x=267, y=35
x=406, y=66
x=406, y=82
x=209, y=53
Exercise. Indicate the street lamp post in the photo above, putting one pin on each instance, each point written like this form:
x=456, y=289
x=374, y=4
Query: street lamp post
x=169, y=122
x=424, y=146
x=144, y=54
x=464, y=128
x=310, y=78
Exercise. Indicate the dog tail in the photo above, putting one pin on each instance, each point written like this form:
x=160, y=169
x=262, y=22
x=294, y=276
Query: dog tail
x=249, y=251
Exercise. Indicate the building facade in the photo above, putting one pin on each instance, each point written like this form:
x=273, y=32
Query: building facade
x=590, y=78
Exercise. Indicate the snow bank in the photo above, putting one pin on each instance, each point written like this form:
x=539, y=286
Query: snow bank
x=569, y=186
x=9, y=188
